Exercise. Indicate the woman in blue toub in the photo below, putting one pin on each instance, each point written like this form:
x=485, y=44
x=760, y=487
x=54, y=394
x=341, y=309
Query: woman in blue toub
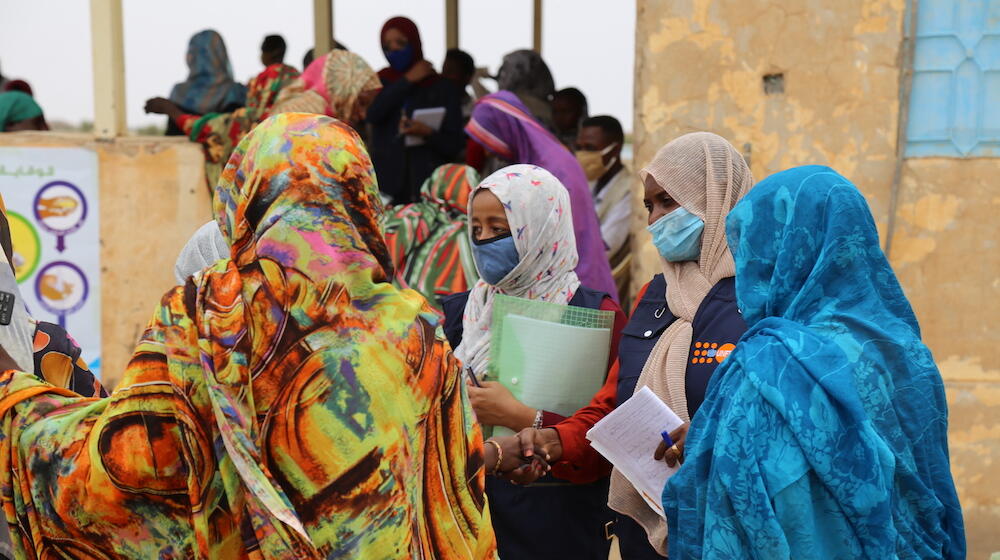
x=824, y=434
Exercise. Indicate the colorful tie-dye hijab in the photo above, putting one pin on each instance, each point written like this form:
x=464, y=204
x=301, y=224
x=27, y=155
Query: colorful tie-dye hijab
x=285, y=403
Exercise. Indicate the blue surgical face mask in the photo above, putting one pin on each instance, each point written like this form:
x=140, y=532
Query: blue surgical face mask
x=677, y=235
x=495, y=257
x=400, y=60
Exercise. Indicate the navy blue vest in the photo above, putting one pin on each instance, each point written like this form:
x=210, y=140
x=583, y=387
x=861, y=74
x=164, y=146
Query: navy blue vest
x=717, y=326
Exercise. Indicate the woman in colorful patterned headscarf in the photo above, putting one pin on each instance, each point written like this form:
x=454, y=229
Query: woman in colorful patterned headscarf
x=339, y=84
x=209, y=86
x=427, y=240
x=286, y=403
x=824, y=434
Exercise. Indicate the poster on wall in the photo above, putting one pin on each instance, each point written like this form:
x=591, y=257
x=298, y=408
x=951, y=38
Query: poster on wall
x=52, y=208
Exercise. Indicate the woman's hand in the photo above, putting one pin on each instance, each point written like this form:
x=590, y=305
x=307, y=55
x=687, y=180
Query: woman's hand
x=515, y=466
x=673, y=455
x=495, y=405
x=416, y=128
x=164, y=106
x=534, y=444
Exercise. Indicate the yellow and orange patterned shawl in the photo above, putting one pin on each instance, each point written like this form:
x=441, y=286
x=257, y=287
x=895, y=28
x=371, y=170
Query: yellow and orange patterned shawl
x=287, y=403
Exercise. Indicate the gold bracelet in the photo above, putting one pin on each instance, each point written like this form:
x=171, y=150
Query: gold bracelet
x=496, y=468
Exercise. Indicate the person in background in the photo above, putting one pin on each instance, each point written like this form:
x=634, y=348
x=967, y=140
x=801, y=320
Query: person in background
x=599, y=149
x=505, y=127
x=209, y=87
x=291, y=403
x=20, y=111
x=684, y=325
x=525, y=73
x=428, y=241
x=410, y=83
x=458, y=68
x=272, y=50
x=569, y=108
x=308, y=58
x=17, y=85
x=219, y=133
x=57, y=357
x=340, y=84
x=825, y=433
x=521, y=228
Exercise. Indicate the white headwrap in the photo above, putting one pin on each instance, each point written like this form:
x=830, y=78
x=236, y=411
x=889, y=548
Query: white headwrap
x=541, y=222
x=204, y=249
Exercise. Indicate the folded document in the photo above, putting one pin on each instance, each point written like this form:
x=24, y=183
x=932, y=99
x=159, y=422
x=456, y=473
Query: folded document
x=628, y=437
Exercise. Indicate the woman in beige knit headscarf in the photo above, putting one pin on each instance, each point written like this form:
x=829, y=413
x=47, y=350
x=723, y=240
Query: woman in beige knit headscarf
x=339, y=84
x=685, y=323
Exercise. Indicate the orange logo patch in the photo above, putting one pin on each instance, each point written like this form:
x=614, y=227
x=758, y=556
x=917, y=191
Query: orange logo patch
x=705, y=352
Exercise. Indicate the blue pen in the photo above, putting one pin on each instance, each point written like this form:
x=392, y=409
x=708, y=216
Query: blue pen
x=667, y=439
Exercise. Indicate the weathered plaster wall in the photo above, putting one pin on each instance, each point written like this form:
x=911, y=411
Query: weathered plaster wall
x=699, y=66
x=153, y=197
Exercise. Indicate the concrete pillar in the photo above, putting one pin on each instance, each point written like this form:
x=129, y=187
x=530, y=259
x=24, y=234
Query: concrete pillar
x=109, y=67
x=322, y=26
x=537, y=28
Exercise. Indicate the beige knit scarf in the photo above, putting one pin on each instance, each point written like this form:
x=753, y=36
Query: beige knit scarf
x=706, y=176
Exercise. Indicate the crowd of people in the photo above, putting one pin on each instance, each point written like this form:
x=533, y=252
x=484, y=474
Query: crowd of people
x=315, y=386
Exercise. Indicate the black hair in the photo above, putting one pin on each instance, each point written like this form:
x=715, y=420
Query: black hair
x=572, y=94
x=609, y=125
x=274, y=44
x=463, y=59
x=309, y=56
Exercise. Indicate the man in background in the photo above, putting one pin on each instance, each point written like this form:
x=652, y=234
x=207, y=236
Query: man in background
x=459, y=68
x=272, y=50
x=569, y=108
x=598, y=149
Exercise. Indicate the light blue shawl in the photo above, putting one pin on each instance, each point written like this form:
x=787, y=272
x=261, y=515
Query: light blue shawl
x=824, y=435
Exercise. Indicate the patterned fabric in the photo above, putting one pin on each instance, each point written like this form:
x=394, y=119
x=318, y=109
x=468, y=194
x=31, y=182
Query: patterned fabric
x=58, y=361
x=330, y=86
x=287, y=403
x=705, y=174
x=427, y=240
x=219, y=133
x=541, y=223
x=209, y=85
x=824, y=434
x=504, y=126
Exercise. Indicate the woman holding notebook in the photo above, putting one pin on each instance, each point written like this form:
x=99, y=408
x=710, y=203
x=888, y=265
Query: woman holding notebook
x=520, y=226
x=684, y=325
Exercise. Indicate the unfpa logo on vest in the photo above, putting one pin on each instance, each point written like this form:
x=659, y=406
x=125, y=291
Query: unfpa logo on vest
x=705, y=352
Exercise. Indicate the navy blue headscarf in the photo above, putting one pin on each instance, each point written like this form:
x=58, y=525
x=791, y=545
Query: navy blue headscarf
x=824, y=435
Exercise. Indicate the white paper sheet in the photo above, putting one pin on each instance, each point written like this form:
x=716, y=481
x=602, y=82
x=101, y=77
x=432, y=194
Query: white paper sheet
x=628, y=437
x=432, y=117
x=552, y=366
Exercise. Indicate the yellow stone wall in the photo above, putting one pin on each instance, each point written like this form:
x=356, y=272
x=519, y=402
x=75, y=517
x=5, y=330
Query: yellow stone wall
x=700, y=65
x=152, y=198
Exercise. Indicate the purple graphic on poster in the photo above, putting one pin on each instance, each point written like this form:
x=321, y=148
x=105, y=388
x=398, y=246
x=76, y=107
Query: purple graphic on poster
x=60, y=209
x=61, y=289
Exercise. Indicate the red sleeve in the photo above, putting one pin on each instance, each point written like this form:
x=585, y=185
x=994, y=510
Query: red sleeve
x=475, y=155
x=186, y=123
x=580, y=464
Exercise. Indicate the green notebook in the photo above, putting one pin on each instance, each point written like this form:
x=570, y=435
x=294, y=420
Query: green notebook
x=551, y=357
